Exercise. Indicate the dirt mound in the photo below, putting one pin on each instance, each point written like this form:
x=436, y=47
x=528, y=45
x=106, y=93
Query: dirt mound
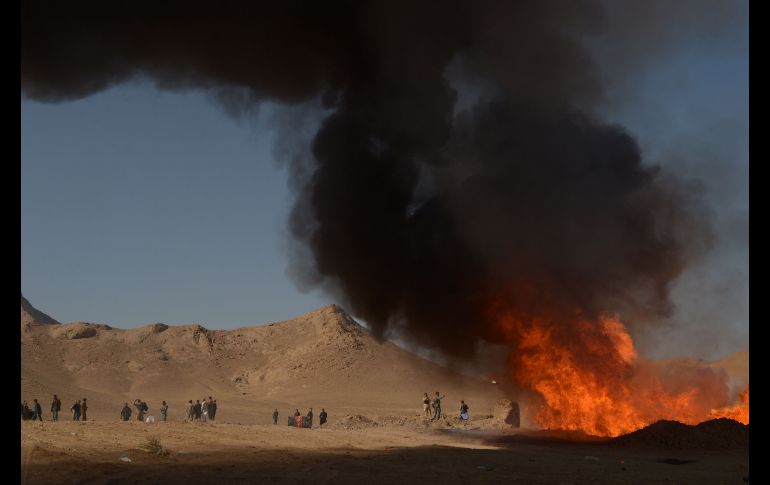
x=507, y=413
x=715, y=434
x=416, y=422
x=355, y=421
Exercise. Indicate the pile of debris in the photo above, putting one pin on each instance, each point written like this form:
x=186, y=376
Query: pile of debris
x=715, y=434
x=354, y=421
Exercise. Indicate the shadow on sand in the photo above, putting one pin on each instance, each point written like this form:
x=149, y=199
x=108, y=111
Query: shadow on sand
x=533, y=462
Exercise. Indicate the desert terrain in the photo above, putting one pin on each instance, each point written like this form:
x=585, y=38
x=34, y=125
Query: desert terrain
x=371, y=389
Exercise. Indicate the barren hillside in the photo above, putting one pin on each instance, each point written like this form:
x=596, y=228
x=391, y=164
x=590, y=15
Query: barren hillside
x=320, y=359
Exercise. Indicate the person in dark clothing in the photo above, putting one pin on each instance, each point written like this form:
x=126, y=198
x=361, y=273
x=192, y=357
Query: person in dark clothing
x=463, y=411
x=164, y=411
x=26, y=412
x=76, y=411
x=38, y=411
x=297, y=413
x=213, y=409
x=55, y=407
x=83, y=409
x=125, y=413
x=275, y=416
x=310, y=417
x=322, y=417
x=437, y=405
x=197, y=410
x=141, y=408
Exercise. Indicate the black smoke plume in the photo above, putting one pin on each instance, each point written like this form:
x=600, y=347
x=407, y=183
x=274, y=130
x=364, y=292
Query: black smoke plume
x=461, y=164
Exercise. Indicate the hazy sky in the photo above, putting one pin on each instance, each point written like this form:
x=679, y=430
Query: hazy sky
x=143, y=206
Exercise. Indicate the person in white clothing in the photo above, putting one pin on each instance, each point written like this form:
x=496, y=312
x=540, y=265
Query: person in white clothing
x=204, y=410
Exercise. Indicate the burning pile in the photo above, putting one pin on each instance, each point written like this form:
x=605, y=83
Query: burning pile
x=594, y=380
x=738, y=412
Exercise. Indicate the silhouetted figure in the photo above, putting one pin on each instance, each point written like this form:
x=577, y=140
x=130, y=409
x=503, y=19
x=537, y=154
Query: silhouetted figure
x=213, y=410
x=197, y=410
x=163, y=411
x=437, y=405
x=76, y=411
x=463, y=411
x=297, y=413
x=310, y=418
x=322, y=417
x=38, y=411
x=275, y=416
x=125, y=413
x=55, y=407
x=26, y=412
x=83, y=409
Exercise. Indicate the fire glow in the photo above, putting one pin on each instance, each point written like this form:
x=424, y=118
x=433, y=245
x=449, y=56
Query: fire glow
x=593, y=379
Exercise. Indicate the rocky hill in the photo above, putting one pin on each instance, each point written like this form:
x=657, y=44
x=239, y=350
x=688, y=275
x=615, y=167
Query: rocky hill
x=321, y=359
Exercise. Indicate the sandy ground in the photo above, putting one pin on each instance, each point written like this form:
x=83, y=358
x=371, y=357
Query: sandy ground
x=91, y=452
x=372, y=390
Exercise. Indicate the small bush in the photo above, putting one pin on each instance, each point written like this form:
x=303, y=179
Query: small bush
x=153, y=446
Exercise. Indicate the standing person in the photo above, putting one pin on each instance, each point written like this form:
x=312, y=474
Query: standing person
x=83, y=409
x=55, y=407
x=190, y=410
x=437, y=405
x=125, y=413
x=310, y=417
x=426, y=405
x=212, y=409
x=37, y=411
x=197, y=410
x=463, y=411
x=275, y=416
x=322, y=417
x=204, y=410
x=297, y=419
x=141, y=407
x=163, y=411
x=76, y=411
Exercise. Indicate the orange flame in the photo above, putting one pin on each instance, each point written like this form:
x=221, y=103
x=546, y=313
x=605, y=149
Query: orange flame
x=592, y=379
x=738, y=412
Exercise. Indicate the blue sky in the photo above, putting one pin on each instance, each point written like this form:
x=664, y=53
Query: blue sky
x=143, y=206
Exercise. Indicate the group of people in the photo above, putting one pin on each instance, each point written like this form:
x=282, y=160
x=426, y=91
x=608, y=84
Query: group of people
x=201, y=411
x=321, y=417
x=205, y=411
x=79, y=410
x=435, y=403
